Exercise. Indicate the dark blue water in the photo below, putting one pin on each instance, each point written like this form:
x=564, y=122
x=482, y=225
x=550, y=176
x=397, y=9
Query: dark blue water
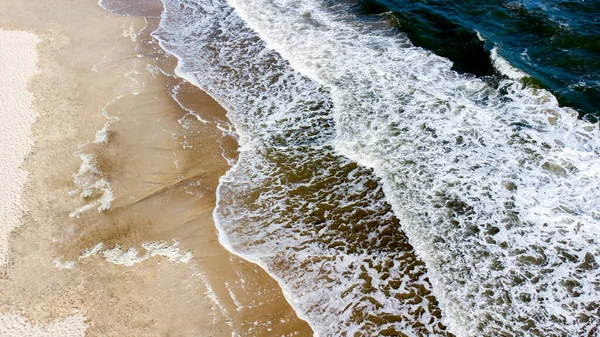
x=556, y=42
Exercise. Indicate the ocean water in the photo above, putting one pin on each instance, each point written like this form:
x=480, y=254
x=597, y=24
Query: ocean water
x=556, y=42
x=407, y=168
x=318, y=222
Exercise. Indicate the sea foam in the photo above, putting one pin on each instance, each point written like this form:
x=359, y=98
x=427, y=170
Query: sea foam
x=316, y=221
x=496, y=187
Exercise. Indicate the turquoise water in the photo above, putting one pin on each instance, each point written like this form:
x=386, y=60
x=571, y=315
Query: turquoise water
x=556, y=42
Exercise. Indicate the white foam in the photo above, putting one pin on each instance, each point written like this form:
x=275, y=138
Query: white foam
x=238, y=306
x=92, y=251
x=217, y=306
x=504, y=67
x=127, y=258
x=18, y=58
x=448, y=149
x=129, y=32
x=479, y=36
x=64, y=265
x=490, y=185
x=133, y=256
x=284, y=123
x=90, y=180
x=102, y=134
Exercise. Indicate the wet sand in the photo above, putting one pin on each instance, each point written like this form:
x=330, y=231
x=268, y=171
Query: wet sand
x=117, y=232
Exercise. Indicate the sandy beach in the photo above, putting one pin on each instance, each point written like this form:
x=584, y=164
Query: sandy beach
x=18, y=59
x=110, y=165
x=18, y=63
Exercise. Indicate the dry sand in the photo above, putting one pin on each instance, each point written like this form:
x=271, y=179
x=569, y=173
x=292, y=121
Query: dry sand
x=117, y=237
x=18, y=58
x=18, y=63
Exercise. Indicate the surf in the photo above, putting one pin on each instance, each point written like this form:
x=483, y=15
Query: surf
x=496, y=187
x=319, y=223
x=363, y=155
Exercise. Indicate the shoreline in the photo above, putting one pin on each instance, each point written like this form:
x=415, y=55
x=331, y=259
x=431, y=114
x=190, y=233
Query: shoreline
x=121, y=191
x=224, y=240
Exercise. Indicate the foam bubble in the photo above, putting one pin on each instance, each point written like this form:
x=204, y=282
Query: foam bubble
x=90, y=181
x=102, y=134
x=504, y=67
x=133, y=256
x=64, y=265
